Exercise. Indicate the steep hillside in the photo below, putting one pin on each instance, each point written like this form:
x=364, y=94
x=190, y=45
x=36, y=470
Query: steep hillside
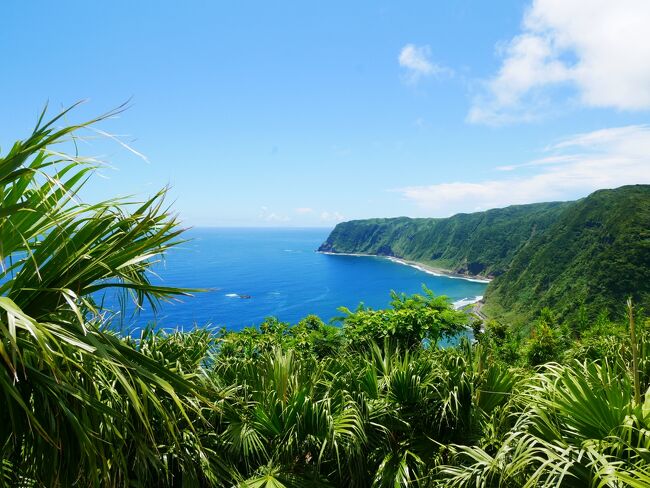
x=481, y=243
x=597, y=253
x=593, y=252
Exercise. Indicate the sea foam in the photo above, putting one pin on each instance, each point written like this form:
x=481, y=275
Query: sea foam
x=435, y=273
x=458, y=304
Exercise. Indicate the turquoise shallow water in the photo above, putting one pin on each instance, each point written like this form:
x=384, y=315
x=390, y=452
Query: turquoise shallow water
x=284, y=277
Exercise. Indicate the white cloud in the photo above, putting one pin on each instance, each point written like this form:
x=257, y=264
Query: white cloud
x=599, y=47
x=304, y=210
x=326, y=216
x=575, y=166
x=417, y=63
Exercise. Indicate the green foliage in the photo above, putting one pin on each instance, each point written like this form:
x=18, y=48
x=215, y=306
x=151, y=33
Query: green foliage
x=309, y=337
x=409, y=321
x=576, y=426
x=543, y=345
x=353, y=419
x=432, y=417
x=503, y=341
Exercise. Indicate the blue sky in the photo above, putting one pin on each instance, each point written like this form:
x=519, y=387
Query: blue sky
x=296, y=114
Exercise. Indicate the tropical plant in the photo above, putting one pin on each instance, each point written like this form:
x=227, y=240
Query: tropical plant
x=79, y=403
x=576, y=425
x=409, y=321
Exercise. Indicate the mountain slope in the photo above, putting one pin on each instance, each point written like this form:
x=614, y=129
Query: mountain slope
x=597, y=253
x=481, y=243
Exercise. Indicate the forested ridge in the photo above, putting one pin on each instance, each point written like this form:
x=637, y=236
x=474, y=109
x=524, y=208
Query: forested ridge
x=593, y=257
x=576, y=257
x=481, y=243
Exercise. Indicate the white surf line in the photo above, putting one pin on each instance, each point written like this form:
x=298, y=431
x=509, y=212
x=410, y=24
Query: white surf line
x=458, y=304
x=427, y=270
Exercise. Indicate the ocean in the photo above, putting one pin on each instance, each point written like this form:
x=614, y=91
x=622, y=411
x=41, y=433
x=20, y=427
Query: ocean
x=251, y=274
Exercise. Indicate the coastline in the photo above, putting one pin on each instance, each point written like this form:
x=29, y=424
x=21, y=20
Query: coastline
x=414, y=264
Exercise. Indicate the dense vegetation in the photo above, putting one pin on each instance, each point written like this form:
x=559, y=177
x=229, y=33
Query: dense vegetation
x=370, y=402
x=593, y=257
x=359, y=413
x=577, y=258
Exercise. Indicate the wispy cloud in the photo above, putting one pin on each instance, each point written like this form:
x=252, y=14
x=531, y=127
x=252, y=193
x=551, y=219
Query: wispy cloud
x=597, y=47
x=331, y=217
x=574, y=166
x=548, y=161
x=417, y=63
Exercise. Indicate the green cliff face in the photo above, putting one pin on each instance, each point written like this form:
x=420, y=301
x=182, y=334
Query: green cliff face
x=482, y=243
x=593, y=252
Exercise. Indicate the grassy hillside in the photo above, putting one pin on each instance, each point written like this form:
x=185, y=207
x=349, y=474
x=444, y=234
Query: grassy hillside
x=597, y=253
x=481, y=243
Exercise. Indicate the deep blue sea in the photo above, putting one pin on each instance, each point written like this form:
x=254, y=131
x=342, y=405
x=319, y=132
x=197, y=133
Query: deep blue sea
x=284, y=277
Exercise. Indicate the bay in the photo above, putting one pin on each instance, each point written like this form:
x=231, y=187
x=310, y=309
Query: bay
x=251, y=274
